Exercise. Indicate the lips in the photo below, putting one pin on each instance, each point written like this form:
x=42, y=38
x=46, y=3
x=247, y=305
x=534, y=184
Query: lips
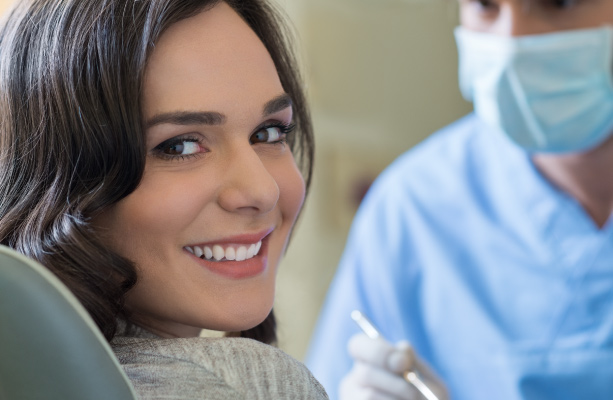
x=236, y=258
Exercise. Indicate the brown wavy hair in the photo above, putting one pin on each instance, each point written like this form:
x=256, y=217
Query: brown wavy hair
x=71, y=135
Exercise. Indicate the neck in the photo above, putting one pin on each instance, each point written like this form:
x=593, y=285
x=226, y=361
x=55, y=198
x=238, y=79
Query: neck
x=164, y=329
x=587, y=177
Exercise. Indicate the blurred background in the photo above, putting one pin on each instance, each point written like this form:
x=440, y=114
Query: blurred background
x=381, y=76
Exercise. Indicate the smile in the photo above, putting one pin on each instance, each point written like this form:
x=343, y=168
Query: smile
x=220, y=252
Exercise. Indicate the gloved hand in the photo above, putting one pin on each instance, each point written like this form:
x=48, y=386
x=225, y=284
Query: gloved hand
x=377, y=372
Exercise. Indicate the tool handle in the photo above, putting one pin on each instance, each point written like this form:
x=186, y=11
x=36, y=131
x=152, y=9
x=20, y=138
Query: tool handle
x=410, y=376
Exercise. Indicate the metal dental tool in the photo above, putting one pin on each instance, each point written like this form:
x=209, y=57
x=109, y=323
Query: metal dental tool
x=409, y=376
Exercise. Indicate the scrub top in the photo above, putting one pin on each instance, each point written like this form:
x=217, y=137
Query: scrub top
x=501, y=282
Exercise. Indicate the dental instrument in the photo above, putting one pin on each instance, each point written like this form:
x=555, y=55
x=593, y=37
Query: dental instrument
x=410, y=376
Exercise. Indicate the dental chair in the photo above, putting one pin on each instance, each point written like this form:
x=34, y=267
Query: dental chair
x=50, y=348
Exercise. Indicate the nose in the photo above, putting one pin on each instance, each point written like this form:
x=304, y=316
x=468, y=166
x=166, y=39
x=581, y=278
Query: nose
x=518, y=18
x=248, y=185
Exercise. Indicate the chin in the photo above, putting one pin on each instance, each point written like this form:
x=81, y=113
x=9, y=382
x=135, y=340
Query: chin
x=255, y=321
x=248, y=319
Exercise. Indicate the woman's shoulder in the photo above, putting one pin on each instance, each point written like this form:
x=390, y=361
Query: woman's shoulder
x=223, y=368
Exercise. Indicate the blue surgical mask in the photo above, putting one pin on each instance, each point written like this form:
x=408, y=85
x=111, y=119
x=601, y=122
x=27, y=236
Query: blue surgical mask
x=549, y=93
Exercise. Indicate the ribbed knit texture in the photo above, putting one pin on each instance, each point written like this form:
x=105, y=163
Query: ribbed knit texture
x=212, y=368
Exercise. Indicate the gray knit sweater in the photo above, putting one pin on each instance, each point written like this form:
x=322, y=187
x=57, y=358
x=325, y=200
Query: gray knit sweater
x=212, y=368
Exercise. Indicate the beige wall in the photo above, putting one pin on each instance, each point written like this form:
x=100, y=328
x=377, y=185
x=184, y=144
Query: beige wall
x=4, y=4
x=381, y=76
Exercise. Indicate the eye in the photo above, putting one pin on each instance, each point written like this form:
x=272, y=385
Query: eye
x=486, y=3
x=271, y=134
x=563, y=3
x=179, y=147
x=482, y=5
x=487, y=9
x=266, y=135
x=487, y=6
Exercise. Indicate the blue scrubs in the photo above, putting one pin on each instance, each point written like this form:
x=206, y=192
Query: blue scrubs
x=501, y=282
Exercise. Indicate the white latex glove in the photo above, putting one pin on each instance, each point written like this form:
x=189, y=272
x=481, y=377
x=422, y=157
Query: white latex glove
x=377, y=372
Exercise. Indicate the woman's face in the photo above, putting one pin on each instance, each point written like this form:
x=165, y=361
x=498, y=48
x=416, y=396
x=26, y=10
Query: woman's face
x=211, y=217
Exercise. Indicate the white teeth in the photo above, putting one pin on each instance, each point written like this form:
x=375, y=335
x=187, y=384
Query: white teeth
x=231, y=253
x=241, y=253
x=218, y=252
x=251, y=251
x=208, y=253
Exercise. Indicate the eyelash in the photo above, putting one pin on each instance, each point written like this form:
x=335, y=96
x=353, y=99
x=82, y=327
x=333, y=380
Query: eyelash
x=284, y=130
x=158, y=151
x=483, y=6
x=491, y=5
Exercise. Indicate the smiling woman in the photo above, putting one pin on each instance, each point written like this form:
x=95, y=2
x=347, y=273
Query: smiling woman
x=219, y=180
x=152, y=157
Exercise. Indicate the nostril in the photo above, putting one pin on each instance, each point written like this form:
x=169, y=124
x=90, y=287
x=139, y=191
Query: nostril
x=250, y=194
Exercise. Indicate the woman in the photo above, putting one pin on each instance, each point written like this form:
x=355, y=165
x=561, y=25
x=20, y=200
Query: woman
x=148, y=161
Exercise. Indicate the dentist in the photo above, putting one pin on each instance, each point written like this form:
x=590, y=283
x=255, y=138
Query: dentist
x=488, y=247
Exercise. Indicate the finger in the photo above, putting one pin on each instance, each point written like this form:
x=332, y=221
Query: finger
x=416, y=364
x=363, y=394
x=382, y=381
x=427, y=374
x=371, y=351
x=402, y=358
x=349, y=391
x=424, y=370
x=430, y=378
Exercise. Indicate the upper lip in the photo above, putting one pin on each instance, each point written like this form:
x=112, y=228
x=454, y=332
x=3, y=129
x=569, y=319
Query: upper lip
x=246, y=238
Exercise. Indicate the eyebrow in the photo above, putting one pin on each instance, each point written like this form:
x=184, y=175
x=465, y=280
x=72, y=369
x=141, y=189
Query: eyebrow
x=277, y=104
x=187, y=118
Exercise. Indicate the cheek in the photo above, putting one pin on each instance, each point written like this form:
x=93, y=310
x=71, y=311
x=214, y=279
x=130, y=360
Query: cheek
x=292, y=191
x=156, y=213
x=469, y=21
